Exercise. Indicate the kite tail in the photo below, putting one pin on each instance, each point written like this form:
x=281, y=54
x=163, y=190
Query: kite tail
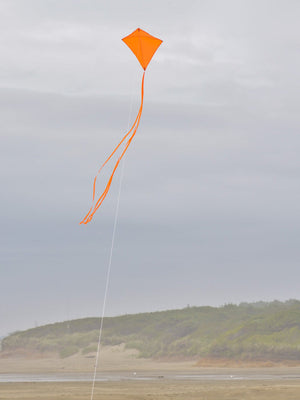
x=132, y=131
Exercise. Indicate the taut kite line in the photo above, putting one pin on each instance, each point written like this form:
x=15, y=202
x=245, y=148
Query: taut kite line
x=143, y=45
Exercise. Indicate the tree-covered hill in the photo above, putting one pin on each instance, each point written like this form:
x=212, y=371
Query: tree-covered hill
x=248, y=331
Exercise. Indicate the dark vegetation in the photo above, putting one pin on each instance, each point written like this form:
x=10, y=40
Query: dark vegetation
x=248, y=331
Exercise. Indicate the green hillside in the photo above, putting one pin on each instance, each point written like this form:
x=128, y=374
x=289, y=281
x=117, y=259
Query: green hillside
x=249, y=331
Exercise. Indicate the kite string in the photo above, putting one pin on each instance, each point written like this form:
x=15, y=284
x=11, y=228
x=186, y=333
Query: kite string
x=110, y=256
x=107, y=281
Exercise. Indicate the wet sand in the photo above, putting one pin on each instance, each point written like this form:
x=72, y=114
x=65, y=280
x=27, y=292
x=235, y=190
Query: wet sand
x=163, y=390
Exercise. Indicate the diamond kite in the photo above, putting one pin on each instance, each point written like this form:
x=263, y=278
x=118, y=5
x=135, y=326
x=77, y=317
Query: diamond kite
x=143, y=45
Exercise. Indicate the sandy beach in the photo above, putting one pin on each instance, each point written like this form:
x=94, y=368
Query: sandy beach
x=122, y=375
x=162, y=390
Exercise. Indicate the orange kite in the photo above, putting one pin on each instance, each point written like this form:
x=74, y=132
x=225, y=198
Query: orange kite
x=143, y=46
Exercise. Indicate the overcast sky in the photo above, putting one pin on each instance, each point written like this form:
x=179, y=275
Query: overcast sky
x=209, y=208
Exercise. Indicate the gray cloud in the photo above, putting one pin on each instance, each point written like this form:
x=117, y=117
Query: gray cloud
x=209, y=206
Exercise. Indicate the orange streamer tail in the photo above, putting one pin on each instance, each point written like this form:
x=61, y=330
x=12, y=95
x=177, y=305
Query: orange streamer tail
x=129, y=136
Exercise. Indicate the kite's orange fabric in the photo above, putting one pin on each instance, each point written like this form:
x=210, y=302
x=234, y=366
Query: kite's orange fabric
x=143, y=46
